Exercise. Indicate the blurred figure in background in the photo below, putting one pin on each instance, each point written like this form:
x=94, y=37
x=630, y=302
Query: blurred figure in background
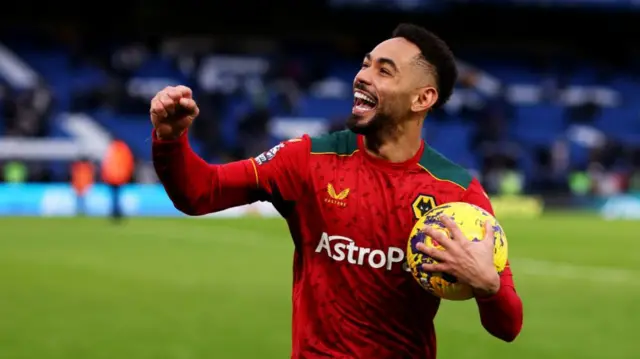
x=15, y=172
x=117, y=170
x=82, y=179
x=26, y=111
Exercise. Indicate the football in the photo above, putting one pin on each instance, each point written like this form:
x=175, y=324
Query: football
x=471, y=220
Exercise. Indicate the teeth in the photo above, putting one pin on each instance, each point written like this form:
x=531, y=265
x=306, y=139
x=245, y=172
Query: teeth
x=364, y=97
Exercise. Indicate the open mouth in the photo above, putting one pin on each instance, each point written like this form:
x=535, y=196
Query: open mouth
x=363, y=102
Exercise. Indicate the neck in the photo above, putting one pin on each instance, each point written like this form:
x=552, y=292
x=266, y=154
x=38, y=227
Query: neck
x=398, y=145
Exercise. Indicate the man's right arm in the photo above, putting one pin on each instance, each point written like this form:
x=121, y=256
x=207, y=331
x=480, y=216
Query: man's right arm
x=198, y=188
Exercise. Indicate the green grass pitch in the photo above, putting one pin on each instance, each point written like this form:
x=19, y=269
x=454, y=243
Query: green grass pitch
x=180, y=289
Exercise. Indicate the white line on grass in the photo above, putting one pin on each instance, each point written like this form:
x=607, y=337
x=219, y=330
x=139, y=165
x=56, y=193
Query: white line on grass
x=534, y=267
x=521, y=266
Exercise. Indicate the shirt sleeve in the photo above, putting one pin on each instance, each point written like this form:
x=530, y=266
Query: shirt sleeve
x=196, y=187
x=281, y=173
x=501, y=314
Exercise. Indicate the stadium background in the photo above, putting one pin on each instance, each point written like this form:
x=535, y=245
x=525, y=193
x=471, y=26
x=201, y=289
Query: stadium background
x=545, y=114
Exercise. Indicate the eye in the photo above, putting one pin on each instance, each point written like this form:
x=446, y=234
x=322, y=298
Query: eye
x=385, y=71
x=364, y=65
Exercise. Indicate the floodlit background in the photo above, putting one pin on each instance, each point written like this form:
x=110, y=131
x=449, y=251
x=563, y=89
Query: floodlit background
x=546, y=114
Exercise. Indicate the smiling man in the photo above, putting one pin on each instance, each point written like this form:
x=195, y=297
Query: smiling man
x=351, y=199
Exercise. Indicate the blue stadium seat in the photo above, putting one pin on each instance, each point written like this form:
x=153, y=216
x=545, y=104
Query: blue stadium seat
x=539, y=124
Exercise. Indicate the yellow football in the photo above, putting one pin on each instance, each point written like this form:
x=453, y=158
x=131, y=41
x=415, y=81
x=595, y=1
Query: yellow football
x=471, y=220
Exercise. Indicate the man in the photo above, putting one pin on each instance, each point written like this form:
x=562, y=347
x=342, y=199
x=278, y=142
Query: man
x=350, y=199
x=118, y=165
x=82, y=179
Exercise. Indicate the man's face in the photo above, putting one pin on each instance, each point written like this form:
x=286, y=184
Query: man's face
x=386, y=86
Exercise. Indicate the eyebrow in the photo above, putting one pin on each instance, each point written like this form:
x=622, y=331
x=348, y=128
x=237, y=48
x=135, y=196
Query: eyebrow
x=384, y=61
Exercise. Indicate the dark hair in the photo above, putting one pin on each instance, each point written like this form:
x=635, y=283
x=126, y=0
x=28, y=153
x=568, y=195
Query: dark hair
x=435, y=55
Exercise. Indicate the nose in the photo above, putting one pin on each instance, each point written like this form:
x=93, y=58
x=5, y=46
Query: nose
x=363, y=77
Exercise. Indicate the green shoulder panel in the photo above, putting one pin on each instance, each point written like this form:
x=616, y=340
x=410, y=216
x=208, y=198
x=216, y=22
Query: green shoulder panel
x=444, y=169
x=341, y=143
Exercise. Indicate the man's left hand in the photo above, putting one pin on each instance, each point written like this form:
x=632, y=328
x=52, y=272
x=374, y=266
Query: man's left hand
x=469, y=261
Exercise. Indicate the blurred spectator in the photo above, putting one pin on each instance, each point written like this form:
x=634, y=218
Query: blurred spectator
x=26, y=112
x=604, y=183
x=580, y=183
x=511, y=183
x=82, y=179
x=584, y=113
x=15, y=172
x=117, y=170
x=253, y=132
x=207, y=127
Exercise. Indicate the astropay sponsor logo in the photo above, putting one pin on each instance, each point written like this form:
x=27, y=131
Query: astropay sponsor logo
x=340, y=248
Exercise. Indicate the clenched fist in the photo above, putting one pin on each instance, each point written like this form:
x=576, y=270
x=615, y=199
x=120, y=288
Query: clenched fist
x=172, y=111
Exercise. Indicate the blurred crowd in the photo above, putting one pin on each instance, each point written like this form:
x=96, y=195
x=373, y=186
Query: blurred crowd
x=26, y=113
x=612, y=167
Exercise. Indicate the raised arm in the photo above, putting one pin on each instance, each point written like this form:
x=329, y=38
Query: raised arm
x=196, y=187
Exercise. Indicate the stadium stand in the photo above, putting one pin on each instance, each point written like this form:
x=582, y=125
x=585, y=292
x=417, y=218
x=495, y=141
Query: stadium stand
x=526, y=112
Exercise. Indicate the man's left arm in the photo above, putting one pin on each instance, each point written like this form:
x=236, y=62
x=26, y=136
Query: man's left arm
x=501, y=313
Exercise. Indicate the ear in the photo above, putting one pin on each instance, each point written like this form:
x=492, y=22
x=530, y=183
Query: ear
x=427, y=97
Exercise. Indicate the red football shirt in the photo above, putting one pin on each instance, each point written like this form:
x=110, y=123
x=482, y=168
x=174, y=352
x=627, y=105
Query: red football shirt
x=350, y=215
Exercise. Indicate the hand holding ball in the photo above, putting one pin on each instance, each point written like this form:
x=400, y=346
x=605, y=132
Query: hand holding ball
x=448, y=255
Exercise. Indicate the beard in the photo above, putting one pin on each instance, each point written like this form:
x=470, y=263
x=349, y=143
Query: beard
x=373, y=126
x=386, y=119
